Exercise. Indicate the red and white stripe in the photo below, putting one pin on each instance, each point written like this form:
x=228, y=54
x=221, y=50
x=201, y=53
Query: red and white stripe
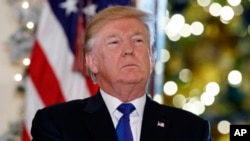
x=51, y=78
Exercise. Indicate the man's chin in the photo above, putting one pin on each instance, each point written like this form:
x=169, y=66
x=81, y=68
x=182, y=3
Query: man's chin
x=128, y=80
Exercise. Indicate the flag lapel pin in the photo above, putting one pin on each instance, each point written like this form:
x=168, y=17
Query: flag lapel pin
x=160, y=124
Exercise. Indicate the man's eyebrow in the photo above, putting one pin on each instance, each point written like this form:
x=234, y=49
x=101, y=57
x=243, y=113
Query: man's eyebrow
x=138, y=33
x=113, y=35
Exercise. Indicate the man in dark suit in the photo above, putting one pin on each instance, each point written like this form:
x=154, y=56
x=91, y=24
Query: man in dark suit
x=119, y=57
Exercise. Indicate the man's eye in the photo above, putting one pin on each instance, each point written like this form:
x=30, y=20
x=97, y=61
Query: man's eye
x=138, y=40
x=113, y=42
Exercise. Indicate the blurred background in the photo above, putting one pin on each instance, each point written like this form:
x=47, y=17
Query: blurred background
x=202, y=59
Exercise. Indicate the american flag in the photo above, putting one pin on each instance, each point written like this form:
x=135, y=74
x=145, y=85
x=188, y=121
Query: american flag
x=160, y=124
x=56, y=73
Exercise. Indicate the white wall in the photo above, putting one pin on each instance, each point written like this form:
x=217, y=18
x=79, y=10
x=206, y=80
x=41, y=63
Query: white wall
x=10, y=101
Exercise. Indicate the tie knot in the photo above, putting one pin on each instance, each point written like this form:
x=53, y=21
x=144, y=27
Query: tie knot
x=126, y=108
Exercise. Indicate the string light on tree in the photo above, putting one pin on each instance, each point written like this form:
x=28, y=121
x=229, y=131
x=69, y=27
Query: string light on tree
x=213, y=88
x=158, y=98
x=234, y=78
x=18, y=77
x=214, y=9
x=30, y=25
x=170, y=88
x=197, y=28
x=185, y=75
x=204, y=3
x=226, y=13
x=26, y=61
x=223, y=127
x=25, y=5
x=179, y=100
x=234, y=2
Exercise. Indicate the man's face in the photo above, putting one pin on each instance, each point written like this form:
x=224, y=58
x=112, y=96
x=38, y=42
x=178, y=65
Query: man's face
x=120, y=53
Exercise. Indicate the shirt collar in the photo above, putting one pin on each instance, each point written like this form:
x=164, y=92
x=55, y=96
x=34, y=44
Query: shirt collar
x=112, y=103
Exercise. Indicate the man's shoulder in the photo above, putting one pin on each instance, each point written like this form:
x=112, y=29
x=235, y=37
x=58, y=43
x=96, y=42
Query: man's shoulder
x=179, y=122
x=71, y=106
x=173, y=113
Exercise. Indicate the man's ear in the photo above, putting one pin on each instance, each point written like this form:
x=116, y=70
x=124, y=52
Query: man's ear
x=91, y=62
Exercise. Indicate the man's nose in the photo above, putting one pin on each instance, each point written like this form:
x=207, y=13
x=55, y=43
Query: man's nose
x=128, y=48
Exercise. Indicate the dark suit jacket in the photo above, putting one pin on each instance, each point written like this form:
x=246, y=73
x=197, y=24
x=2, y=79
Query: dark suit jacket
x=89, y=120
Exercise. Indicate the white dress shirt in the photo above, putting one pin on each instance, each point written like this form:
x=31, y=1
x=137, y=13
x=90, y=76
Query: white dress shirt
x=135, y=117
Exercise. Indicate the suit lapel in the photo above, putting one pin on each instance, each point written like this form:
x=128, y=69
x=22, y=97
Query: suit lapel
x=99, y=121
x=154, y=124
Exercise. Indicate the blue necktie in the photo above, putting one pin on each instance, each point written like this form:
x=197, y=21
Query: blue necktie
x=123, y=129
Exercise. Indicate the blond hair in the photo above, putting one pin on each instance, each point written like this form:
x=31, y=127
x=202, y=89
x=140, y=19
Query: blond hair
x=113, y=13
